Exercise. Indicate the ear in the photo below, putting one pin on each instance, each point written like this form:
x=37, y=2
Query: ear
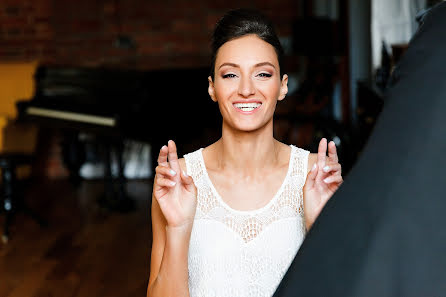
x=283, y=87
x=211, y=89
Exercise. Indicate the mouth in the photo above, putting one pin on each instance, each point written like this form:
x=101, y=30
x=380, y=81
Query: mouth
x=247, y=107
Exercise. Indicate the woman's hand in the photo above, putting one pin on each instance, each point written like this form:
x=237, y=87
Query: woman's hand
x=173, y=189
x=322, y=181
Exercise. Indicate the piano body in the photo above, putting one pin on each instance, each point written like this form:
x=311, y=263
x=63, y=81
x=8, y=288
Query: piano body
x=116, y=105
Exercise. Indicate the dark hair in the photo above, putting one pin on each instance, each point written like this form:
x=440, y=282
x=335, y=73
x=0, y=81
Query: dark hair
x=240, y=22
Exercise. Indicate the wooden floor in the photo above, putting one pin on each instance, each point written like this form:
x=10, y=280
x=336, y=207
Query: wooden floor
x=85, y=251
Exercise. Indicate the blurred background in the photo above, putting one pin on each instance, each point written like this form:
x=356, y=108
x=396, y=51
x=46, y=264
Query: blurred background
x=85, y=87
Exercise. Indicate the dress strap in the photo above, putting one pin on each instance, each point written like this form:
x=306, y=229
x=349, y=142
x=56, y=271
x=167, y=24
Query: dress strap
x=193, y=164
x=300, y=164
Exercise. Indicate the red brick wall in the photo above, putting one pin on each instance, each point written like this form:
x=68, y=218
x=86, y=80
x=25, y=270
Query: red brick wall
x=169, y=33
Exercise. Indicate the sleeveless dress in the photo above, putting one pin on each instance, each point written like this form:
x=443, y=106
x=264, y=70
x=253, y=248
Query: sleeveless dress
x=235, y=253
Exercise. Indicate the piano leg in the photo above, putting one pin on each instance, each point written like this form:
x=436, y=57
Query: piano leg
x=108, y=178
x=117, y=200
x=73, y=154
x=123, y=196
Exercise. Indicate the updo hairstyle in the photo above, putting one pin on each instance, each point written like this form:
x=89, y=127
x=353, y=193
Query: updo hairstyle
x=240, y=22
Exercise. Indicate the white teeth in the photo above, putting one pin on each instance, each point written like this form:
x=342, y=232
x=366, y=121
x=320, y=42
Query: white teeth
x=247, y=106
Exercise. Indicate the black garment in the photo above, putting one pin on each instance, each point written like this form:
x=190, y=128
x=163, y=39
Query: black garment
x=384, y=232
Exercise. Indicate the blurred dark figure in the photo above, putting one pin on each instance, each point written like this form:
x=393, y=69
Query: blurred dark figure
x=382, y=74
x=383, y=233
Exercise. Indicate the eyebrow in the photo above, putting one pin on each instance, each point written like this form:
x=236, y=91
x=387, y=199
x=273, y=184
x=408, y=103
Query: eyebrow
x=256, y=65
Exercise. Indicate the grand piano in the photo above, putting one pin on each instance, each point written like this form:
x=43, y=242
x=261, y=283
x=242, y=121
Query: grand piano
x=116, y=105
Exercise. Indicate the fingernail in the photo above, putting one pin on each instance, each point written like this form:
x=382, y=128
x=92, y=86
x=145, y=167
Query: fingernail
x=163, y=146
x=172, y=183
x=185, y=174
x=314, y=167
x=326, y=168
x=327, y=180
x=172, y=172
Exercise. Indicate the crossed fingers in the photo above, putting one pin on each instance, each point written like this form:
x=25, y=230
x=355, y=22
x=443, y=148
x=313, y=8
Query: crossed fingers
x=327, y=170
x=168, y=164
x=331, y=169
x=168, y=171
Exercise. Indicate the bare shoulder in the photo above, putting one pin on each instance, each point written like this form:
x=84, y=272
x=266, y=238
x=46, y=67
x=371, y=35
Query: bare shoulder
x=285, y=153
x=209, y=155
x=312, y=159
x=182, y=162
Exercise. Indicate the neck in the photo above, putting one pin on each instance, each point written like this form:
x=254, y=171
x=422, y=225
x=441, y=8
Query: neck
x=247, y=153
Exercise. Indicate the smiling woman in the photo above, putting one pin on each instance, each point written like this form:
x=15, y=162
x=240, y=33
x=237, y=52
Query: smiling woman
x=229, y=218
x=247, y=80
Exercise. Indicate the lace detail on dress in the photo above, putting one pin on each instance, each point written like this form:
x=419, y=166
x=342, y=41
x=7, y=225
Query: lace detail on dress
x=287, y=202
x=244, y=253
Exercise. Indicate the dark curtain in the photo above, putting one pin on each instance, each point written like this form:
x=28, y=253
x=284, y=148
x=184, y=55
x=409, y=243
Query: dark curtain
x=384, y=232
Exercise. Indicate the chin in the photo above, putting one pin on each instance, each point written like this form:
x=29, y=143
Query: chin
x=248, y=127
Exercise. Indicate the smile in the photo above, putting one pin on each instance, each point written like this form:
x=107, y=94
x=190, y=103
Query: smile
x=247, y=107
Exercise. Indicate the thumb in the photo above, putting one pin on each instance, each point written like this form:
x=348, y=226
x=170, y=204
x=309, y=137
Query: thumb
x=311, y=177
x=188, y=182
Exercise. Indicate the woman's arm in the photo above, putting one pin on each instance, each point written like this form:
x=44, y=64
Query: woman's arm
x=173, y=210
x=168, y=265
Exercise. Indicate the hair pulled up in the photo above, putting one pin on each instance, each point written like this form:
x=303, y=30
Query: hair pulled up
x=240, y=22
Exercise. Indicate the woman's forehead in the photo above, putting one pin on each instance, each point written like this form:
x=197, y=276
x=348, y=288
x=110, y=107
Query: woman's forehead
x=246, y=50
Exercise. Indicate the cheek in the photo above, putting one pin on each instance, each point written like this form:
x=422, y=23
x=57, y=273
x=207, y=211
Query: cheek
x=270, y=89
x=225, y=89
x=222, y=94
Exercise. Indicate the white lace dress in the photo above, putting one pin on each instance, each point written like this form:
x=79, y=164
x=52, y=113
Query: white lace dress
x=244, y=253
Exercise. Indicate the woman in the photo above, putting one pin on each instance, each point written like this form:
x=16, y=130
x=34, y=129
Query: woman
x=228, y=219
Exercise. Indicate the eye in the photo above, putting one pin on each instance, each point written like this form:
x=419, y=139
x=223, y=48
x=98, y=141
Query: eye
x=229, y=75
x=264, y=74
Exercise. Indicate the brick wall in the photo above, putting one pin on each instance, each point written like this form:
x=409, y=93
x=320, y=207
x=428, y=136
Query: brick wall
x=165, y=34
x=169, y=33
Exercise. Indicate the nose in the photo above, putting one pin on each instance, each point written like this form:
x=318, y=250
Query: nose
x=246, y=87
